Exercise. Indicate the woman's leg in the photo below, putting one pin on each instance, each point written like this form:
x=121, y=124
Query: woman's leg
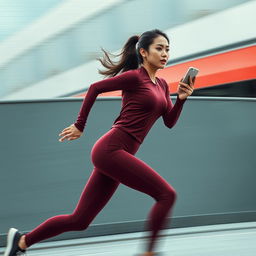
x=136, y=174
x=113, y=165
x=94, y=197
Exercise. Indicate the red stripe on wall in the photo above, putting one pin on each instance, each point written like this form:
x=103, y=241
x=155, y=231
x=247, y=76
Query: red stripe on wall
x=228, y=67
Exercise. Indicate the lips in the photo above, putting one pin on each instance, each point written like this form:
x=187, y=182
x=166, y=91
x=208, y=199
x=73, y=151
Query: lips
x=163, y=61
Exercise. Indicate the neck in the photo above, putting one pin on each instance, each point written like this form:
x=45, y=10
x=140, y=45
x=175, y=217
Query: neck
x=151, y=72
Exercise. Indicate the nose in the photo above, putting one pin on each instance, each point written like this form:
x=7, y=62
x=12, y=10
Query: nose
x=164, y=54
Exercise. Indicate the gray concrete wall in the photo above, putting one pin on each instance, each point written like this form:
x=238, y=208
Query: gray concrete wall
x=208, y=157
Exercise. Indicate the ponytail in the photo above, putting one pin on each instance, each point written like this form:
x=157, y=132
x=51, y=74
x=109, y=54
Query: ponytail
x=129, y=59
x=130, y=55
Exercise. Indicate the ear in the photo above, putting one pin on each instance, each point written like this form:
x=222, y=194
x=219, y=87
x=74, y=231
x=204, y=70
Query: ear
x=142, y=52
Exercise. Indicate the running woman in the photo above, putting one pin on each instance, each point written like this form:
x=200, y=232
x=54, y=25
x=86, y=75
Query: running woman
x=145, y=98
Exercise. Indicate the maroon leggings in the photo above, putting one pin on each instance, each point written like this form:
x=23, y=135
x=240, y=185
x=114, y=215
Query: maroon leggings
x=115, y=163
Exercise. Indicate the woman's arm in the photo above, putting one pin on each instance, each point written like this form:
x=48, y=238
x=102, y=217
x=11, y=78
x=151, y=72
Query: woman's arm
x=125, y=81
x=171, y=116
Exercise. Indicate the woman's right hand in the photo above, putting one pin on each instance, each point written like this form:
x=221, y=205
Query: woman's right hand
x=70, y=133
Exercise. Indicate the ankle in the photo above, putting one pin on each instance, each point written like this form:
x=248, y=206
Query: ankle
x=22, y=243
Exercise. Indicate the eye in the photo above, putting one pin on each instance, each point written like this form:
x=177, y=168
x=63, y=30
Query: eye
x=160, y=49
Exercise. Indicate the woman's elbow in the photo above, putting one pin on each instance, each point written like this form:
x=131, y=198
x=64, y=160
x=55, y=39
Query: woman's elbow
x=169, y=125
x=93, y=88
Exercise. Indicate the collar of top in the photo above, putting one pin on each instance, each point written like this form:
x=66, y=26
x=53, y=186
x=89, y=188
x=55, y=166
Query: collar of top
x=147, y=75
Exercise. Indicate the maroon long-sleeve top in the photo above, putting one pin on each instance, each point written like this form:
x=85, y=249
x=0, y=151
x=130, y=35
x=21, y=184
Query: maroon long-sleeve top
x=143, y=102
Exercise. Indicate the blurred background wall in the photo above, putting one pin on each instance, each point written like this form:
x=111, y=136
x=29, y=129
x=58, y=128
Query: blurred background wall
x=208, y=157
x=45, y=39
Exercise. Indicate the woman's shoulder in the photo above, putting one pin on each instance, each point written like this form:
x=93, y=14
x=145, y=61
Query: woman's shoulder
x=132, y=75
x=162, y=80
x=163, y=83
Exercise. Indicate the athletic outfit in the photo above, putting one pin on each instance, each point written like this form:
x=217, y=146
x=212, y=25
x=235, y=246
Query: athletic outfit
x=143, y=102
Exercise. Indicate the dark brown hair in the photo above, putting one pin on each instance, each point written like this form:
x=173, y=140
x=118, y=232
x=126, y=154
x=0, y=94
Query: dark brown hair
x=130, y=56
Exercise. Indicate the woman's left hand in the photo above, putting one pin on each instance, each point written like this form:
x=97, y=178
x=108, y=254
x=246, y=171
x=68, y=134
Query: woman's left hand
x=185, y=90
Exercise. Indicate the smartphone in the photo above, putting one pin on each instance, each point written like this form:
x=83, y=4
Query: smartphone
x=192, y=72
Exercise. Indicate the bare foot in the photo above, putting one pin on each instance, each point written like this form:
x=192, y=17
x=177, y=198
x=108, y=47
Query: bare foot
x=22, y=243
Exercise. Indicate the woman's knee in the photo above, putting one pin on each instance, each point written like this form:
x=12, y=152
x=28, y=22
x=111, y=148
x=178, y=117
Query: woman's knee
x=169, y=195
x=76, y=223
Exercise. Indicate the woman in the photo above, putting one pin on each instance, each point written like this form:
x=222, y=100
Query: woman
x=145, y=98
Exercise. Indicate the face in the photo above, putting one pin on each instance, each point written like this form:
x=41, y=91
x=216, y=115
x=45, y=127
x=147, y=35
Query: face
x=158, y=53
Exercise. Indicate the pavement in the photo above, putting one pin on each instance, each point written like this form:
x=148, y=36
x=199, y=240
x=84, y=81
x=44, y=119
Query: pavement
x=236, y=239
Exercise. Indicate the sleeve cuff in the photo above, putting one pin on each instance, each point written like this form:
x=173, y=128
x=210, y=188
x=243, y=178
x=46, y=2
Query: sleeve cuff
x=178, y=100
x=81, y=129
